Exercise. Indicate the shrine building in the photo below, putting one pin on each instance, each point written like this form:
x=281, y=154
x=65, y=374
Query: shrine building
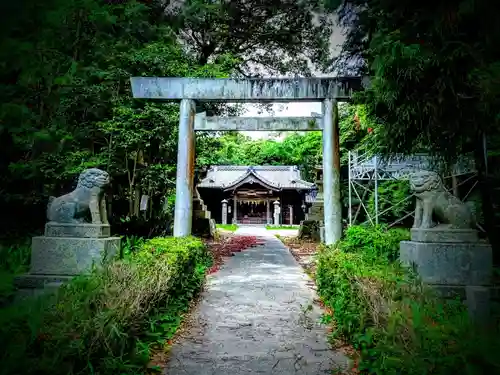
x=255, y=194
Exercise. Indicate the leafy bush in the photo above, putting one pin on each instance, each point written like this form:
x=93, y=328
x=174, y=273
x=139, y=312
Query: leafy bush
x=130, y=245
x=14, y=259
x=394, y=200
x=106, y=321
x=140, y=227
x=374, y=242
x=397, y=324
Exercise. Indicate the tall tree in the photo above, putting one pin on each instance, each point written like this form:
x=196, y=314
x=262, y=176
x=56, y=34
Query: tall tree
x=435, y=77
x=275, y=36
x=66, y=102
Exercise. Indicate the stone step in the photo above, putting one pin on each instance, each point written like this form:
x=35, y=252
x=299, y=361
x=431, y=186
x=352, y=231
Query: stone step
x=316, y=209
x=316, y=212
x=201, y=214
x=200, y=210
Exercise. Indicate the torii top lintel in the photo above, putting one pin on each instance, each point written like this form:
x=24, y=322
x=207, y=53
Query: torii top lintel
x=245, y=90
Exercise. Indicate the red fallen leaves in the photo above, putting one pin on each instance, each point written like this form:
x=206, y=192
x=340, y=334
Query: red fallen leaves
x=213, y=269
x=230, y=246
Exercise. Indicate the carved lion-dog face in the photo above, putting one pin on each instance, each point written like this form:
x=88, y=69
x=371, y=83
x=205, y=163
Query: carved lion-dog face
x=93, y=177
x=424, y=181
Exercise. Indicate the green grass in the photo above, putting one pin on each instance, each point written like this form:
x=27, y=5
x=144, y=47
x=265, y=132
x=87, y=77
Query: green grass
x=228, y=227
x=111, y=320
x=282, y=227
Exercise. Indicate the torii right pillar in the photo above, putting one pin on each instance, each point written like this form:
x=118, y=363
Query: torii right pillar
x=331, y=173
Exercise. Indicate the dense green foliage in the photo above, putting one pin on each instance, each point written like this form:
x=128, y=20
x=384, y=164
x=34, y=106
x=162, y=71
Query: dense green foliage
x=66, y=102
x=273, y=37
x=65, y=92
x=435, y=79
x=394, y=200
x=303, y=149
x=434, y=71
x=397, y=324
x=109, y=321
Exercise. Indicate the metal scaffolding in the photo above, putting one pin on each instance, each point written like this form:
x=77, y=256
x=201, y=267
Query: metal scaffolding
x=365, y=172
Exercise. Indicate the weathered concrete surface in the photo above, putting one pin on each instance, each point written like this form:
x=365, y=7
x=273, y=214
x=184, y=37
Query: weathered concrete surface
x=331, y=174
x=185, y=171
x=86, y=230
x=216, y=123
x=251, y=320
x=253, y=89
x=449, y=263
x=70, y=255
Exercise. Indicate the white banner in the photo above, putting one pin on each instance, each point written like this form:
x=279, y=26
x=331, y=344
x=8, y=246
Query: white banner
x=144, y=203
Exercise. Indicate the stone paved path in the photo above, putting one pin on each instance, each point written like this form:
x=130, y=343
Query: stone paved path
x=251, y=320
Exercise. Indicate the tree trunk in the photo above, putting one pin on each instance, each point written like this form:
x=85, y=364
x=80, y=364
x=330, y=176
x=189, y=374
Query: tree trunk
x=454, y=185
x=131, y=201
x=486, y=199
x=132, y=188
x=137, y=201
x=109, y=202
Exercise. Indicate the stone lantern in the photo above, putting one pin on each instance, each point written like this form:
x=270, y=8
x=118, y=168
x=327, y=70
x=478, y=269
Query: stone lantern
x=277, y=211
x=224, y=211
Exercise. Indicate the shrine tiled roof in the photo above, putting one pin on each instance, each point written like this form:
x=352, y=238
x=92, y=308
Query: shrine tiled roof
x=270, y=176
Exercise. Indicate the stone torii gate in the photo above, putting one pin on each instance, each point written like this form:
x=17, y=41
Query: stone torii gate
x=189, y=90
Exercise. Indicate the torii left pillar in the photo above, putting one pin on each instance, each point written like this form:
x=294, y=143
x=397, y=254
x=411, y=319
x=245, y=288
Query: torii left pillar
x=185, y=170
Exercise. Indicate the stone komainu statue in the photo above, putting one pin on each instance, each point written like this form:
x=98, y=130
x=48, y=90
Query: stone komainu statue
x=88, y=196
x=434, y=199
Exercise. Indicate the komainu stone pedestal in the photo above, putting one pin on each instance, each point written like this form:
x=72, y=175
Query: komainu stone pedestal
x=66, y=250
x=70, y=255
x=454, y=262
x=80, y=230
x=439, y=235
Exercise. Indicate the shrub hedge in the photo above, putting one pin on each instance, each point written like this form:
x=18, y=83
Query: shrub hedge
x=107, y=321
x=398, y=325
x=377, y=243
